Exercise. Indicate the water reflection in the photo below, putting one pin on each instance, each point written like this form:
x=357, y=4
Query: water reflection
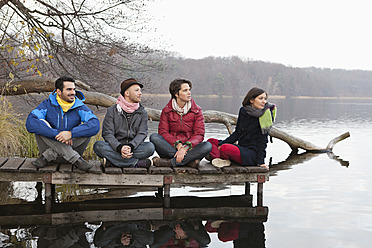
x=140, y=222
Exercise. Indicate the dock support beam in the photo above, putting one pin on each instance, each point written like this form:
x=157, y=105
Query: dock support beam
x=167, y=183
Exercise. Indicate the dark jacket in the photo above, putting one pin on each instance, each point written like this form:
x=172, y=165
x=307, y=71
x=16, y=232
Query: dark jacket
x=189, y=127
x=251, y=142
x=79, y=119
x=110, y=237
x=117, y=131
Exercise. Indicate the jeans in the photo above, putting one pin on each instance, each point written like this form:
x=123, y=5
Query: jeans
x=165, y=150
x=54, y=150
x=104, y=150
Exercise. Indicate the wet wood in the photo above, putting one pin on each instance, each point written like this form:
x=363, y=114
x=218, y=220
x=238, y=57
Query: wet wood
x=65, y=168
x=12, y=164
x=2, y=161
x=208, y=168
x=160, y=170
x=51, y=167
x=113, y=170
x=105, y=216
x=107, y=179
x=134, y=170
x=27, y=166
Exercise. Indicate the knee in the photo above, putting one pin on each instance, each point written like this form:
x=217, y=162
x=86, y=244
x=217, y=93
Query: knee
x=97, y=146
x=154, y=137
x=224, y=149
x=207, y=147
x=149, y=148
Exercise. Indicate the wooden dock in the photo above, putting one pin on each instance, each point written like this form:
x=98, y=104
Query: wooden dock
x=21, y=170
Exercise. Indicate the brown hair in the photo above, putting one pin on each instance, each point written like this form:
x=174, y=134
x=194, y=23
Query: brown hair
x=175, y=86
x=252, y=94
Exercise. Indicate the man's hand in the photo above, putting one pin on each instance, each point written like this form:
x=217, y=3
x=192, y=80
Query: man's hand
x=125, y=238
x=126, y=152
x=64, y=137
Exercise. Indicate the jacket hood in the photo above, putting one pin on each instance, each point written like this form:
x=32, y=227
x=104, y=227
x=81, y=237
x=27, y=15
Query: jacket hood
x=79, y=98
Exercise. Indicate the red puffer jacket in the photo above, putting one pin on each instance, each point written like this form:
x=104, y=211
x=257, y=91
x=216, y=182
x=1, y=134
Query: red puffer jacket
x=189, y=127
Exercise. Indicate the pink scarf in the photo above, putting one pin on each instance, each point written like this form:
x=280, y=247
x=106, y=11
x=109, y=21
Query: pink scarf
x=127, y=106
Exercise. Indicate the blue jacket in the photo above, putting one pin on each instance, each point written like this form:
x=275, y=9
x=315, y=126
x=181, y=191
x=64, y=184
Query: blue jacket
x=48, y=119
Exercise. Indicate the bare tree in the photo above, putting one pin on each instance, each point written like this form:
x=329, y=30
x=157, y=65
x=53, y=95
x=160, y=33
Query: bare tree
x=88, y=39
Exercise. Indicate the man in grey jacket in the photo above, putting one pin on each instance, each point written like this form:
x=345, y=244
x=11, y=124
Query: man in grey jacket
x=125, y=129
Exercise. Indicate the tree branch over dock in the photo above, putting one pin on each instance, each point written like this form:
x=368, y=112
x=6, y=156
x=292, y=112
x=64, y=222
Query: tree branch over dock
x=210, y=116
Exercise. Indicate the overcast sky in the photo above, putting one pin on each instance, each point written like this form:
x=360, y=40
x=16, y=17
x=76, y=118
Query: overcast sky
x=298, y=33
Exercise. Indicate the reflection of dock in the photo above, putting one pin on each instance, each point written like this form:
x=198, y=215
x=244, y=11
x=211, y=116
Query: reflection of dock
x=21, y=169
x=135, y=209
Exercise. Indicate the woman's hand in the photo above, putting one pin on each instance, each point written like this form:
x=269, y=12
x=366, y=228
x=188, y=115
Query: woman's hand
x=265, y=166
x=180, y=154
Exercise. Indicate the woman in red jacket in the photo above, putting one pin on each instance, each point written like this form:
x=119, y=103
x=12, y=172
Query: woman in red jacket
x=179, y=141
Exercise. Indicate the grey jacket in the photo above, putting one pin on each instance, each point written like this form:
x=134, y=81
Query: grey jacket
x=118, y=132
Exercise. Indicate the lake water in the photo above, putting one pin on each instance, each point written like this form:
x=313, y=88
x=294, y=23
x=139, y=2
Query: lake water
x=318, y=201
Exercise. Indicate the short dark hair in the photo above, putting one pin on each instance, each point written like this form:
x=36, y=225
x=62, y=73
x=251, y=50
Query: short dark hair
x=59, y=82
x=175, y=86
x=252, y=94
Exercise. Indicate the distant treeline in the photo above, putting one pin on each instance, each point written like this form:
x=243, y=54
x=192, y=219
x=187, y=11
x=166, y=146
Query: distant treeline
x=234, y=76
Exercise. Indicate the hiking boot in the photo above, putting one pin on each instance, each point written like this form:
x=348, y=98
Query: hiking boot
x=40, y=162
x=219, y=163
x=143, y=163
x=194, y=164
x=82, y=164
x=162, y=162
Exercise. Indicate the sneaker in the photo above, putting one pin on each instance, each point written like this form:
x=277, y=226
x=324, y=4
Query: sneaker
x=209, y=157
x=194, y=164
x=219, y=163
x=161, y=162
x=82, y=164
x=143, y=163
x=40, y=162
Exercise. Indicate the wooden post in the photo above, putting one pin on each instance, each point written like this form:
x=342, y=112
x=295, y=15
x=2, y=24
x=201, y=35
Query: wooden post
x=247, y=188
x=48, y=200
x=167, y=183
x=260, y=194
x=160, y=192
x=39, y=189
x=47, y=179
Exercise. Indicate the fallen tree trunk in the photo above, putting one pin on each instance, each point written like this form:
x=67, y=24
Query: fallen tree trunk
x=210, y=116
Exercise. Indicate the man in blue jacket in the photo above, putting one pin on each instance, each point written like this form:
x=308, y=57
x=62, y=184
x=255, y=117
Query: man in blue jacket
x=63, y=126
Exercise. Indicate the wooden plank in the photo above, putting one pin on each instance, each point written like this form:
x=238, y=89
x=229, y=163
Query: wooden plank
x=113, y=170
x=65, y=168
x=105, y=216
x=208, y=168
x=22, y=220
x=160, y=170
x=27, y=166
x=2, y=161
x=21, y=177
x=96, y=169
x=107, y=179
x=223, y=178
x=134, y=170
x=256, y=169
x=12, y=164
x=252, y=213
x=51, y=167
x=185, y=169
x=234, y=169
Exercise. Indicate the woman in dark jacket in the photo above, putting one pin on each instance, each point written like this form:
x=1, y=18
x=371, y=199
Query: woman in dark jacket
x=255, y=119
x=179, y=141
